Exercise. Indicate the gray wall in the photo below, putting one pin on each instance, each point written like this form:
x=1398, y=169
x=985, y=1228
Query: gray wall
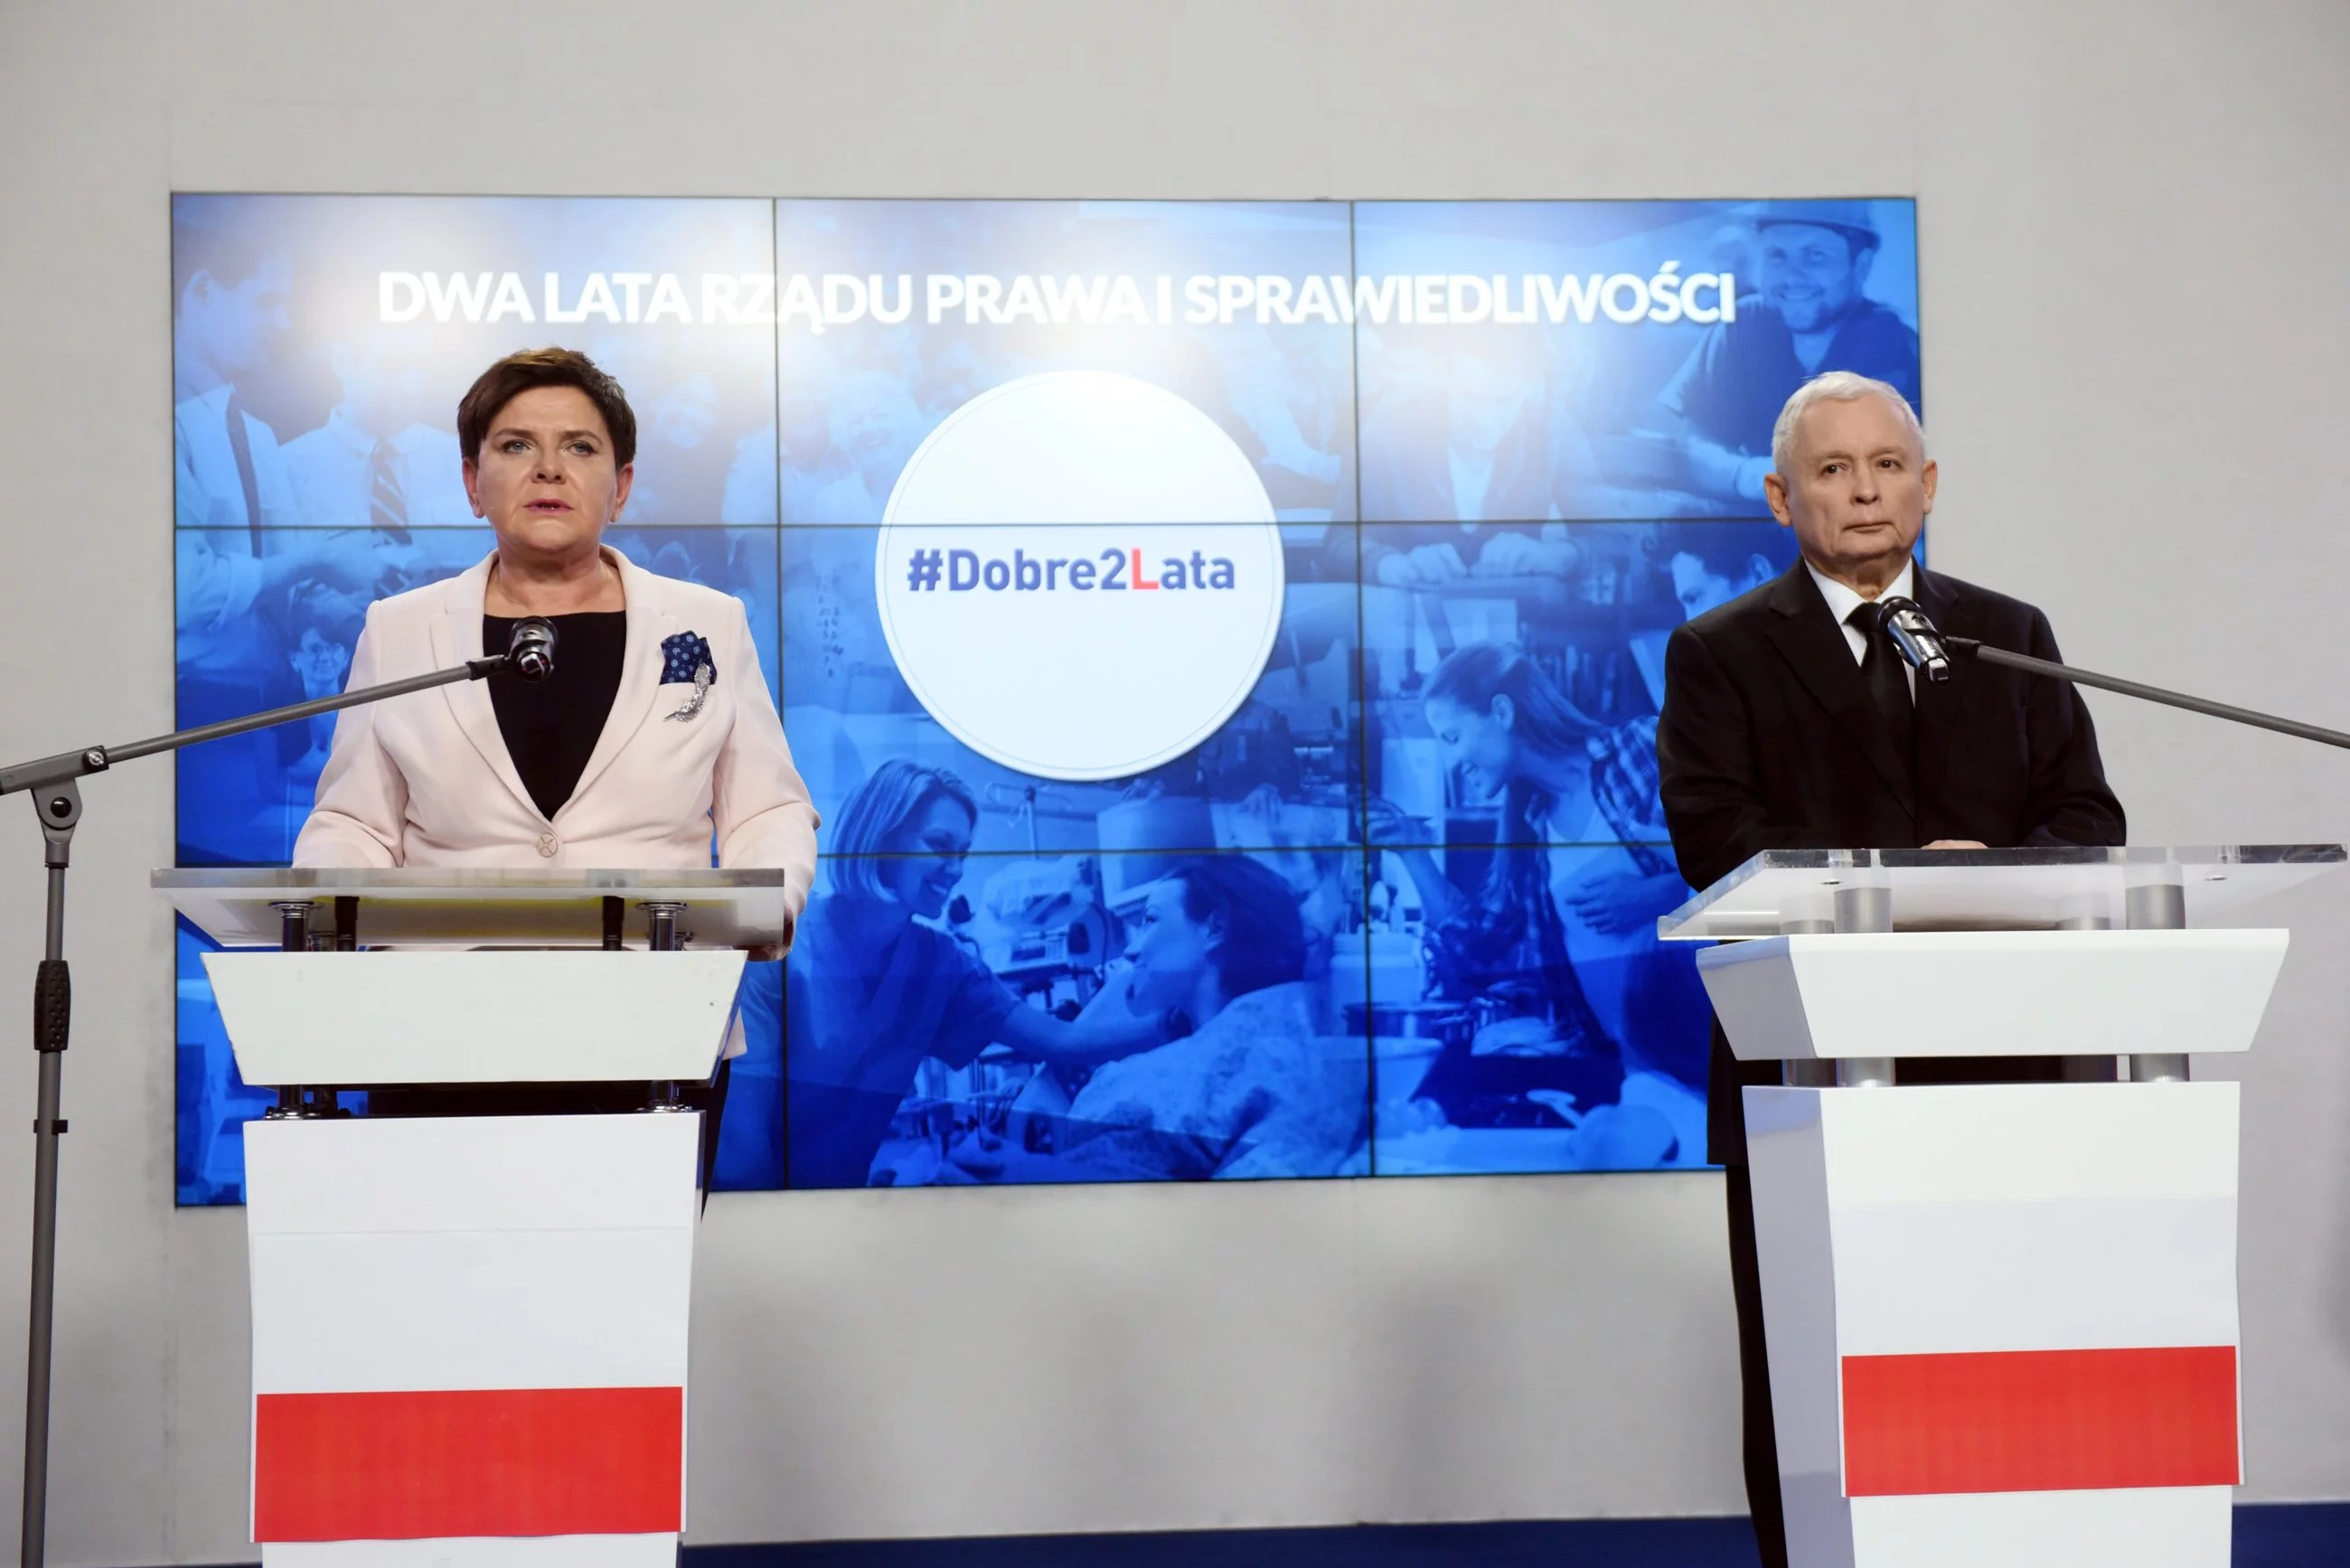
x=2133, y=225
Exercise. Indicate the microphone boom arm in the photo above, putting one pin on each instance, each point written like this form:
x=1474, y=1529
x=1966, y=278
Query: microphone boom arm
x=98, y=759
x=57, y=801
x=1975, y=649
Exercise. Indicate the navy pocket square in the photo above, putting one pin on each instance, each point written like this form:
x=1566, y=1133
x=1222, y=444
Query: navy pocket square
x=683, y=658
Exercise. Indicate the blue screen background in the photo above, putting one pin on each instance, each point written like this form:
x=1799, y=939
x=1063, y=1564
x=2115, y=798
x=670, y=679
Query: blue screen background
x=1468, y=978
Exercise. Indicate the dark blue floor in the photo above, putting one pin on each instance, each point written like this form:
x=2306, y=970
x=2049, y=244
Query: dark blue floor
x=2267, y=1535
x=2289, y=1535
x=1581, y=1544
x=2299, y=1535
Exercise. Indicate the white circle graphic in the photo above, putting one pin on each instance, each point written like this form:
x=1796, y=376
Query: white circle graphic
x=1079, y=575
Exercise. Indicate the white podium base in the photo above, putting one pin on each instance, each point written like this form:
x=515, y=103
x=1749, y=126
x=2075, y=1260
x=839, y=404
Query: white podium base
x=469, y=1339
x=2002, y=1322
x=2162, y=1527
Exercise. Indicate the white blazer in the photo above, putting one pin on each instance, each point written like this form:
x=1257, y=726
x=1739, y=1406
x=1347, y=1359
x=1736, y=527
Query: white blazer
x=425, y=779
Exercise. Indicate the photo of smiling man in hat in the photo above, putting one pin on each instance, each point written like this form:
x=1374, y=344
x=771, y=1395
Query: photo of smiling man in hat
x=1805, y=311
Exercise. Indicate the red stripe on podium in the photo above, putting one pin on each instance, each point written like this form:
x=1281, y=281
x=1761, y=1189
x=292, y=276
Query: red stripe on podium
x=2040, y=1420
x=404, y=1467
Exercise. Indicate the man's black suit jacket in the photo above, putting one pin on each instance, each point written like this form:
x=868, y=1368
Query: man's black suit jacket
x=1768, y=740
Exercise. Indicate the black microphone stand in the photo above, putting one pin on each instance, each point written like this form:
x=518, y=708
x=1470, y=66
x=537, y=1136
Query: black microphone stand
x=1983, y=651
x=57, y=801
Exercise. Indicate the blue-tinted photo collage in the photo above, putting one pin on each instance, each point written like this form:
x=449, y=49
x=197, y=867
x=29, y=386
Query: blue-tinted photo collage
x=1395, y=916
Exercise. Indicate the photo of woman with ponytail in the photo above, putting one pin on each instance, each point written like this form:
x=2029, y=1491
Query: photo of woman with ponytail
x=1551, y=969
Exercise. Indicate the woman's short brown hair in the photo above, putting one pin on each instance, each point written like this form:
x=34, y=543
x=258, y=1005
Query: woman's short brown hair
x=532, y=368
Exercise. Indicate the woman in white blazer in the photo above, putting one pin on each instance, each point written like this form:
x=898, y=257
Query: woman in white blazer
x=655, y=733
x=653, y=738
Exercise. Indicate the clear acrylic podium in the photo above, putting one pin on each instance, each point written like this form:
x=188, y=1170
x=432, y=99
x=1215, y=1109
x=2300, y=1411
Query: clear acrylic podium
x=2001, y=1318
x=469, y=1332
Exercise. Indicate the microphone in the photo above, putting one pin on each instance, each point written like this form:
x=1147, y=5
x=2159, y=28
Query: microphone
x=530, y=653
x=1914, y=637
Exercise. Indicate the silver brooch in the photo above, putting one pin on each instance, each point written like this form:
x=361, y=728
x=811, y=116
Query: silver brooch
x=703, y=677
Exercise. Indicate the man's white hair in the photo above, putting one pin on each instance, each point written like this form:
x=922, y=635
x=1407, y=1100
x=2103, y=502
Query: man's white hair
x=1834, y=386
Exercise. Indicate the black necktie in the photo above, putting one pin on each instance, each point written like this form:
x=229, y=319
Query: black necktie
x=1882, y=672
x=240, y=446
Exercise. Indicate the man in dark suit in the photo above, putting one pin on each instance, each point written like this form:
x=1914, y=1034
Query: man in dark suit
x=1789, y=723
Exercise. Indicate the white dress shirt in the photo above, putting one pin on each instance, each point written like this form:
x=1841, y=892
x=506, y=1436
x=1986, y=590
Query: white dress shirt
x=332, y=476
x=1842, y=601
x=1472, y=481
x=207, y=490
x=221, y=633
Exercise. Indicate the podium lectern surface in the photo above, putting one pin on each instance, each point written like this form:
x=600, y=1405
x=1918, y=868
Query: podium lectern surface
x=2001, y=1318
x=1989, y=889
x=469, y=1341
x=454, y=907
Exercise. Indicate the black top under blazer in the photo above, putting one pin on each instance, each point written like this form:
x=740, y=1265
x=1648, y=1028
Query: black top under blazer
x=1768, y=741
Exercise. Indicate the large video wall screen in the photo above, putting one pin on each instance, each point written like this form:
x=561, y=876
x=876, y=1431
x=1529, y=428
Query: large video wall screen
x=1361, y=796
